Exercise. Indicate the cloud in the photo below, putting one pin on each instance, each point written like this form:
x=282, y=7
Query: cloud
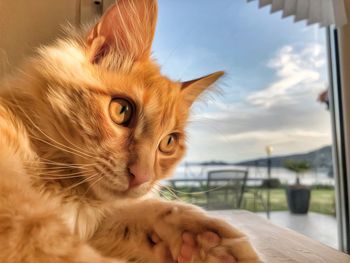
x=277, y=135
x=284, y=113
x=298, y=73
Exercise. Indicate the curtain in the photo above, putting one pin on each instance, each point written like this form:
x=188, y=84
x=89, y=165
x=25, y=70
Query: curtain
x=323, y=12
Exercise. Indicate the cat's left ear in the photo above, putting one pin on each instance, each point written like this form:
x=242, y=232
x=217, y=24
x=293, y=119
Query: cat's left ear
x=126, y=29
x=193, y=88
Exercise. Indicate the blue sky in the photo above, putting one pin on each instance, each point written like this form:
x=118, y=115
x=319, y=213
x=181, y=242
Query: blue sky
x=275, y=69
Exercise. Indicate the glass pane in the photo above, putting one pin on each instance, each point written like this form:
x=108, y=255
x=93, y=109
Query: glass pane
x=269, y=111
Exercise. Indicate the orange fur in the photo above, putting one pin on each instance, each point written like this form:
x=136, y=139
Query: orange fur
x=64, y=164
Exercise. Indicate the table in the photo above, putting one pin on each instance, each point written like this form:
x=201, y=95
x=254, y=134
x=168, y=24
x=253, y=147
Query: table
x=278, y=245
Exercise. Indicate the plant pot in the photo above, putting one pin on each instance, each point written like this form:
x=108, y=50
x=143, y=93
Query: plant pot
x=298, y=197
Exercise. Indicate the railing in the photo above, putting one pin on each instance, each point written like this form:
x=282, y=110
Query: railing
x=220, y=182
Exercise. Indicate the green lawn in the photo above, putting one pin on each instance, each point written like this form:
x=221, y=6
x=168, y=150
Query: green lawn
x=322, y=200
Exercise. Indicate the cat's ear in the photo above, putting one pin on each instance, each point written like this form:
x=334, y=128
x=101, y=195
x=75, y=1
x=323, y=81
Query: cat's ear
x=127, y=29
x=193, y=88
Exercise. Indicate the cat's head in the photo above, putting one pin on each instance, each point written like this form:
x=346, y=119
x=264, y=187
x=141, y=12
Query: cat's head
x=107, y=109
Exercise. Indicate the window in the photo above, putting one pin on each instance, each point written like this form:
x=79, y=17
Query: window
x=269, y=111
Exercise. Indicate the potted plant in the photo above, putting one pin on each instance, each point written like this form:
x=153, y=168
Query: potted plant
x=298, y=195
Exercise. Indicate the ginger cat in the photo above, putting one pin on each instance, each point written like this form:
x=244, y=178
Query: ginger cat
x=87, y=128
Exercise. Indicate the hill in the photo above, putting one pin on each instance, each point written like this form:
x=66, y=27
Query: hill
x=318, y=158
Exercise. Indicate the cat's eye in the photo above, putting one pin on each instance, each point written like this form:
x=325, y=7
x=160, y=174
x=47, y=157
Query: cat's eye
x=168, y=144
x=120, y=111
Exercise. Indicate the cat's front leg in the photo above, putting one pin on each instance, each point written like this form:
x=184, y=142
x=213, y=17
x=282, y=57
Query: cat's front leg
x=163, y=232
x=32, y=231
x=194, y=237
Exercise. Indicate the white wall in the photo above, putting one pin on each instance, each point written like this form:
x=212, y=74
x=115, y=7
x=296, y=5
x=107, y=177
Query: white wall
x=26, y=24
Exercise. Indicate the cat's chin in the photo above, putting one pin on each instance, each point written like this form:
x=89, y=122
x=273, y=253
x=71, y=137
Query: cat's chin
x=107, y=192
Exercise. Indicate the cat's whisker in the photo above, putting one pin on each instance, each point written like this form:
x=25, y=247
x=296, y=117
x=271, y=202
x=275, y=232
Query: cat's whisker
x=50, y=166
x=92, y=184
x=58, y=168
x=63, y=169
x=70, y=150
x=160, y=192
x=171, y=197
x=58, y=177
x=70, y=165
x=76, y=164
x=85, y=180
x=53, y=163
x=58, y=173
x=75, y=147
x=169, y=189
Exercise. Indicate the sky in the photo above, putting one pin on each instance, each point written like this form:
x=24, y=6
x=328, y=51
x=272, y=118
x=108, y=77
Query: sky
x=275, y=69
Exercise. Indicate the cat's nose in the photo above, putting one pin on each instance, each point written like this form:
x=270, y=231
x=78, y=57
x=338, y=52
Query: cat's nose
x=138, y=175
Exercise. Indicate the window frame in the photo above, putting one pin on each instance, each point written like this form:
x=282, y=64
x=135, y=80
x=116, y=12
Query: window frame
x=340, y=135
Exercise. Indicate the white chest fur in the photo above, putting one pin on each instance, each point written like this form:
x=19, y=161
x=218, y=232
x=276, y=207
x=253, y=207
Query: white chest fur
x=82, y=219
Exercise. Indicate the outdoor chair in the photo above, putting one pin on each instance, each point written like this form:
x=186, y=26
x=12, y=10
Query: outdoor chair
x=225, y=189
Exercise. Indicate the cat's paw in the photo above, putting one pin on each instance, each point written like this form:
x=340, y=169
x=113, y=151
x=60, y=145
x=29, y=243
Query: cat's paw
x=154, y=231
x=194, y=237
x=204, y=247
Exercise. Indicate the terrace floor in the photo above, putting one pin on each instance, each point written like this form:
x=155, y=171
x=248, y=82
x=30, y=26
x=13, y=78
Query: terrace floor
x=322, y=228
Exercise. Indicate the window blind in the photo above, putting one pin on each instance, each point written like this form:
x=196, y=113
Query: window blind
x=322, y=12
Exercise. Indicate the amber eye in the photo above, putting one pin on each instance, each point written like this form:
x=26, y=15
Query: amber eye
x=120, y=111
x=168, y=144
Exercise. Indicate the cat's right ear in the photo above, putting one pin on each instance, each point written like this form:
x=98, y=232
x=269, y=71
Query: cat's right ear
x=127, y=29
x=191, y=90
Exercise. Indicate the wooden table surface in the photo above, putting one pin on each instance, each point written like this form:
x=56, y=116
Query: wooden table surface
x=278, y=245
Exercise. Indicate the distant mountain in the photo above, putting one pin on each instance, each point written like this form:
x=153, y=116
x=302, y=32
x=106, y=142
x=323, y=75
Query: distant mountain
x=214, y=163
x=319, y=158
x=207, y=163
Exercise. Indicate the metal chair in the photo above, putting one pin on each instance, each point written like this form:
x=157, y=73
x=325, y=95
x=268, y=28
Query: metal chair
x=225, y=188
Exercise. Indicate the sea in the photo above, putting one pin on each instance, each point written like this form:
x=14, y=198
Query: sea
x=318, y=175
